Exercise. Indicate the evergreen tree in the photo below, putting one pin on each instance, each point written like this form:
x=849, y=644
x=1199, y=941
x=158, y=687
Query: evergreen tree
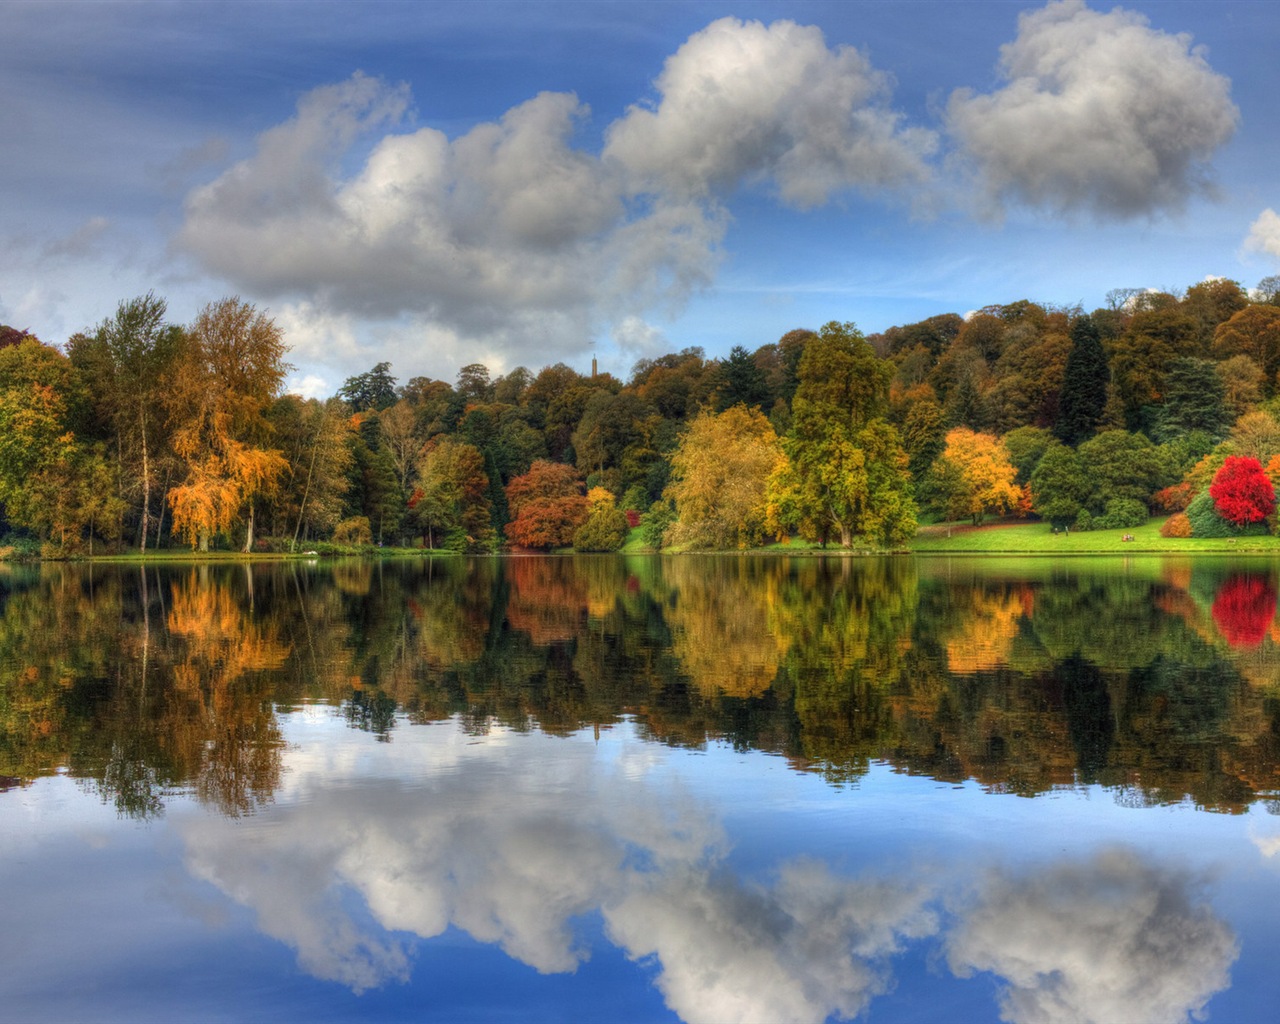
x=1194, y=399
x=1084, y=387
x=742, y=381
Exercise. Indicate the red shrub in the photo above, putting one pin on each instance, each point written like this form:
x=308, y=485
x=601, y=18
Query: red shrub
x=1242, y=492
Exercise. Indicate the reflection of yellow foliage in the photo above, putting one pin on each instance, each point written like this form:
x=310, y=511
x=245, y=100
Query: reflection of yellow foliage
x=219, y=634
x=353, y=577
x=988, y=630
x=723, y=627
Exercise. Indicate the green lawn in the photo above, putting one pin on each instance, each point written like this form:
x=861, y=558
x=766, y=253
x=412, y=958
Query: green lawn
x=1039, y=539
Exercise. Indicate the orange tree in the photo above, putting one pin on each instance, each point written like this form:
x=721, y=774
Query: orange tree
x=230, y=370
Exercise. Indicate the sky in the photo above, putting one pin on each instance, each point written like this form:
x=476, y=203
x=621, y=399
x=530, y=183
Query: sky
x=437, y=184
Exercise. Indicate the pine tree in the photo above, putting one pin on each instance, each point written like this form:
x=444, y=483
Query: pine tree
x=1084, y=386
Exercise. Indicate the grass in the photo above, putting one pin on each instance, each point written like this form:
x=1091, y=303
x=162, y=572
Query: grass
x=1039, y=539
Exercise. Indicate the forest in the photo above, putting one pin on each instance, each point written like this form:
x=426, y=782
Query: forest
x=140, y=434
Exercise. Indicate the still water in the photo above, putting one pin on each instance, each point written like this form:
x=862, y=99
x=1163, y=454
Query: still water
x=699, y=789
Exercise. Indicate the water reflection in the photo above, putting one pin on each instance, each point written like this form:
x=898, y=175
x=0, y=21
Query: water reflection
x=534, y=784
x=1110, y=939
x=1156, y=679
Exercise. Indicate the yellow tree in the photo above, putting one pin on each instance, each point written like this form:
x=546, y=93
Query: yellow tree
x=974, y=476
x=719, y=474
x=229, y=372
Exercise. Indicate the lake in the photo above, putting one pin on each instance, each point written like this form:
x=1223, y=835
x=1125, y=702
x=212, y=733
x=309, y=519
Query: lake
x=641, y=789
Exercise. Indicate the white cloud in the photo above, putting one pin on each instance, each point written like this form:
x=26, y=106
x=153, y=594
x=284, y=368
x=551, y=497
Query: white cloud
x=515, y=241
x=743, y=102
x=1100, y=113
x=1264, y=234
x=309, y=386
x=1112, y=940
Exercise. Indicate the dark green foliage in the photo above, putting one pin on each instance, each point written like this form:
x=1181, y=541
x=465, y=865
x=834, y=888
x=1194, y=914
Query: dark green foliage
x=653, y=527
x=373, y=390
x=1059, y=485
x=1084, y=387
x=1026, y=447
x=741, y=380
x=1205, y=521
x=1121, y=513
x=1194, y=399
x=1118, y=464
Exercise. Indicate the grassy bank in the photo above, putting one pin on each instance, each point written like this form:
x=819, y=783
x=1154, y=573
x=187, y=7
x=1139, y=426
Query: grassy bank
x=1039, y=539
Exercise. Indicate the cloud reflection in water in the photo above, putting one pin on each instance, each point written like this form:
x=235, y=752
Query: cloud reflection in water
x=515, y=840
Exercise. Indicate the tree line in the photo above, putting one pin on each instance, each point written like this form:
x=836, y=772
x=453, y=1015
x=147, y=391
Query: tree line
x=141, y=433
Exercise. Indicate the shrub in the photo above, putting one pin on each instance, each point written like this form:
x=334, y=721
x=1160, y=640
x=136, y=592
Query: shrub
x=1205, y=521
x=353, y=531
x=660, y=516
x=1084, y=520
x=1175, y=498
x=1122, y=513
x=604, y=530
x=1177, y=525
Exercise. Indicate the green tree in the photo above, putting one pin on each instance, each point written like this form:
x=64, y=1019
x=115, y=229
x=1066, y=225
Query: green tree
x=452, y=496
x=1194, y=399
x=1121, y=465
x=741, y=381
x=846, y=472
x=1084, y=386
x=1059, y=485
x=375, y=389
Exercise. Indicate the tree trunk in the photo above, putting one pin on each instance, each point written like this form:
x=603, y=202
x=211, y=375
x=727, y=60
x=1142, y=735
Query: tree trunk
x=146, y=481
x=248, y=536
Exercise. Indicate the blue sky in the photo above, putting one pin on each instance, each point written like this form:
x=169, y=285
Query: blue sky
x=437, y=184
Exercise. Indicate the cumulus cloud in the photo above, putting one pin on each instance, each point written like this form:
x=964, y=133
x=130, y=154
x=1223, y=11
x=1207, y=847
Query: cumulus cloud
x=1112, y=940
x=1264, y=234
x=1100, y=113
x=516, y=240
x=743, y=102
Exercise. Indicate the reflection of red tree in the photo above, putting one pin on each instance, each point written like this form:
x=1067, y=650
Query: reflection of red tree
x=1244, y=609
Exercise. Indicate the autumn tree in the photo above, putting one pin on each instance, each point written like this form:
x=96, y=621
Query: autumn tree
x=546, y=506
x=451, y=499
x=229, y=371
x=1254, y=332
x=605, y=528
x=39, y=394
x=1241, y=491
x=719, y=474
x=845, y=472
x=973, y=476
x=127, y=360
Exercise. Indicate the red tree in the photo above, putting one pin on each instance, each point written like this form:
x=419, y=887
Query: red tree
x=546, y=506
x=1242, y=492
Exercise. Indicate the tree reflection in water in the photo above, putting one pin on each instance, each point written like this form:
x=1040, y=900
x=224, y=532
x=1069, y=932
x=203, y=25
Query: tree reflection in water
x=1156, y=679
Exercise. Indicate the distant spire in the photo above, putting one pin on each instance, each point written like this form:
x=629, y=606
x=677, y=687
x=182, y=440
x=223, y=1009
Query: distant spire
x=593, y=367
